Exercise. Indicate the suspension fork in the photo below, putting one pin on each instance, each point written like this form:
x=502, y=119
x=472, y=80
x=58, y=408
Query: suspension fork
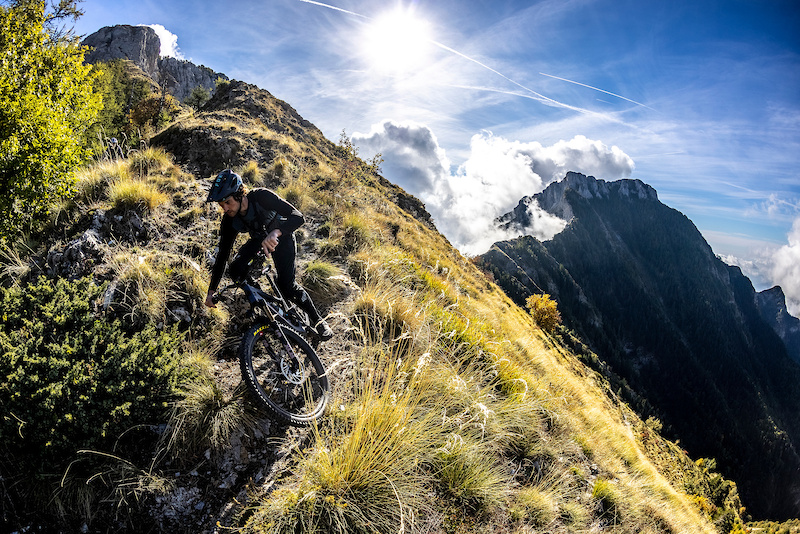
x=284, y=340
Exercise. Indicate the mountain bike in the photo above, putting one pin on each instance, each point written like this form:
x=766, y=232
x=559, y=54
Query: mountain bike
x=278, y=365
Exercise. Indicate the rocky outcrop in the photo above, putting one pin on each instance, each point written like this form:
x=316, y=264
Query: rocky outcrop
x=183, y=76
x=553, y=200
x=772, y=305
x=141, y=45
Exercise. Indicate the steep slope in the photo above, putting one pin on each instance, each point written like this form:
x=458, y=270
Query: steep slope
x=452, y=411
x=636, y=280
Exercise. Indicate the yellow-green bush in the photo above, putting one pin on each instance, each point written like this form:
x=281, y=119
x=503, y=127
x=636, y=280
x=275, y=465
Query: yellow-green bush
x=544, y=311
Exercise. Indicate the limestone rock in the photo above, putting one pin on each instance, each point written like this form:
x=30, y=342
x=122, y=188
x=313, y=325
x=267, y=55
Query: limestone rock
x=141, y=45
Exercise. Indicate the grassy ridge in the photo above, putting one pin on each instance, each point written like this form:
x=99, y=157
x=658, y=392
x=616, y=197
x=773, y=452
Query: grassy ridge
x=453, y=411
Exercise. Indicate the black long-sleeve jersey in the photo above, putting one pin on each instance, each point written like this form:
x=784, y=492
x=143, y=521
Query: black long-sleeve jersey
x=266, y=212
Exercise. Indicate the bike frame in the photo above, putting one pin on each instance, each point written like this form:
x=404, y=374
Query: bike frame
x=272, y=307
x=275, y=307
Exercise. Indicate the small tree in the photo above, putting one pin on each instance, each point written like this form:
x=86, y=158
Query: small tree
x=351, y=164
x=153, y=112
x=46, y=105
x=544, y=311
x=198, y=97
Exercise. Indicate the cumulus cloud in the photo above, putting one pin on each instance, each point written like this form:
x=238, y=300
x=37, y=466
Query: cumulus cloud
x=498, y=173
x=786, y=269
x=411, y=154
x=465, y=201
x=169, y=42
x=758, y=267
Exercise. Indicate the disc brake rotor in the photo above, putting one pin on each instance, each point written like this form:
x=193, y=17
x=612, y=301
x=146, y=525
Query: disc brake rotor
x=292, y=369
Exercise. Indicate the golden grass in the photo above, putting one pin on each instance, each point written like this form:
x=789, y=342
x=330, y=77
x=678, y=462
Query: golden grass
x=92, y=183
x=534, y=506
x=250, y=173
x=475, y=480
x=324, y=282
x=151, y=161
x=364, y=472
x=148, y=280
x=135, y=193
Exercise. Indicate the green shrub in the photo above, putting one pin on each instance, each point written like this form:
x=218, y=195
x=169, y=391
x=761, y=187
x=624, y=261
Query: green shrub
x=71, y=380
x=198, y=97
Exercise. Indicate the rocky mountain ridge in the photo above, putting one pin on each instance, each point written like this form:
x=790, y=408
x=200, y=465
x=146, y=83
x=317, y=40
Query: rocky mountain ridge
x=142, y=46
x=637, y=281
x=553, y=200
x=772, y=304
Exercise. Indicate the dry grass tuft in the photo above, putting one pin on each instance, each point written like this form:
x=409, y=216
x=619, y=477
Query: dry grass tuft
x=206, y=418
x=135, y=193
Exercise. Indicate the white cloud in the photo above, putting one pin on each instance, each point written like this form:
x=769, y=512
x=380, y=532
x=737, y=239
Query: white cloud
x=757, y=267
x=786, y=269
x=410, y=151
x=495, y=176
x=169, y=42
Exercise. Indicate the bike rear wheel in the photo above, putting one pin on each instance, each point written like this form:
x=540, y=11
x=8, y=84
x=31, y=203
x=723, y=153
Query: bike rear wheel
x=288, y=380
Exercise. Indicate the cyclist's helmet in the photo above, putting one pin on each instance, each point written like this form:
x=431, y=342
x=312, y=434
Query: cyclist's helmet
x=224, y=185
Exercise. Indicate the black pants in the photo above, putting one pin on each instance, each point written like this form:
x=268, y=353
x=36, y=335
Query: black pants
x=283, y=256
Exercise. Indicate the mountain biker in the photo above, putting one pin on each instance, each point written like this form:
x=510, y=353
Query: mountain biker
x=270, y=220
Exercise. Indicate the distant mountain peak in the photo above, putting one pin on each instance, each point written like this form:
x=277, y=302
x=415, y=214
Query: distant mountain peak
x=554, y=198
x=142, y=46
x=591, y=188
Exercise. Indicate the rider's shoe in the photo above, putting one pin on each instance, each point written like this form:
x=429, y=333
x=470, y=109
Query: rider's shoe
x=323, y=330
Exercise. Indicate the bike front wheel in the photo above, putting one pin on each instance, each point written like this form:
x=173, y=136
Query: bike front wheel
x=284, y=373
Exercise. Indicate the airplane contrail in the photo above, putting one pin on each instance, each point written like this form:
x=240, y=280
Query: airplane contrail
x=335, y=8
x=763, y=194
x=456, y=52
x=597, y=89
x=540, y=97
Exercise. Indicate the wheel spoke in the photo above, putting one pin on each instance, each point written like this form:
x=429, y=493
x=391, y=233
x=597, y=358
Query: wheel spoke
x=292, y=383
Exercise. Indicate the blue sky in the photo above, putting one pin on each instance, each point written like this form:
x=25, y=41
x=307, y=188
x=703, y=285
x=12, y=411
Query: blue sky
x=475, y=103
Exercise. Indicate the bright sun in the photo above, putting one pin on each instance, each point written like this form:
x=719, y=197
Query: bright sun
x=397, y=42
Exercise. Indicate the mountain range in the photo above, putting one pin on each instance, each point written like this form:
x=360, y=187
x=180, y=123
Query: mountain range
x=687, y=335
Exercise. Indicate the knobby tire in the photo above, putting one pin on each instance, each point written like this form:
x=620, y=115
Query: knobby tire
x=296, y=394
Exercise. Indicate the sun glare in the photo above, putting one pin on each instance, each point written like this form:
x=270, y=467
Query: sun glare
x=397, y=42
